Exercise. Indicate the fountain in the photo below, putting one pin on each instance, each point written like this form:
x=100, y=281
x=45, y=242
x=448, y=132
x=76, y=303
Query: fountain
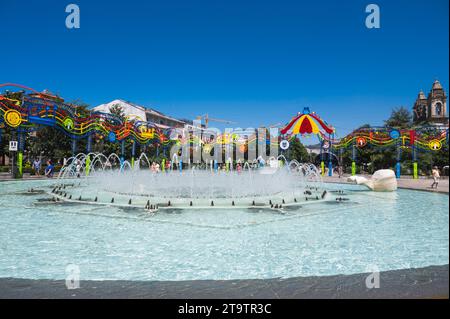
x=105, y=181
x=126, y=222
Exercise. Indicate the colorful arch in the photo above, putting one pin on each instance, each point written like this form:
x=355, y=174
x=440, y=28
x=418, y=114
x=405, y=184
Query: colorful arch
x=37, y=109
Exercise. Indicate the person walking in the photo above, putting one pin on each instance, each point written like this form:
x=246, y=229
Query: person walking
x=37, y=167
x=340, y=171
x=436, y=176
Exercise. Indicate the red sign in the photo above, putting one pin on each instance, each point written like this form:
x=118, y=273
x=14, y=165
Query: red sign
x=361, y=141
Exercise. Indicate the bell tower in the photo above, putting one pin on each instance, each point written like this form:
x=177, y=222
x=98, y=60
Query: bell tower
x=431, y=109
x=437, y=104
x=420, y=108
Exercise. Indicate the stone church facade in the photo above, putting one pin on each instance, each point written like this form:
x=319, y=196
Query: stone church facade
x=432, y=109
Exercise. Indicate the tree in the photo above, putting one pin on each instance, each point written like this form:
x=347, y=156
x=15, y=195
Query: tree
x=5, y=137
x=298, y=151
x=50, y=143
x=364, y=126
x=400, y=118
x=117, y=110
x=81, y=108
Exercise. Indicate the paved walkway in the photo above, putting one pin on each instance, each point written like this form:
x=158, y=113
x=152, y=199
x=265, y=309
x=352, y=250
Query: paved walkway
x=429, y=282
x=407, y=182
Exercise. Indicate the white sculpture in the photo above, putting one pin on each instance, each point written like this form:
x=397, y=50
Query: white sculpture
x=383, y=180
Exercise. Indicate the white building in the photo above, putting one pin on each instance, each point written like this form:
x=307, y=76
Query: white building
x=132, y=111
x=140, y=113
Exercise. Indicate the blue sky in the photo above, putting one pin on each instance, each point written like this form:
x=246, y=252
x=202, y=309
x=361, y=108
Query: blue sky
x=253, y=62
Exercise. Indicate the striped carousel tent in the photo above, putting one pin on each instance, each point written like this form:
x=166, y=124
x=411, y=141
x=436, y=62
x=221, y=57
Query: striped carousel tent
x=307, y=123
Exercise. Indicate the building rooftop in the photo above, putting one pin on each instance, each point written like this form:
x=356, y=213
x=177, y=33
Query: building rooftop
x=135, y=111
x=159, y=114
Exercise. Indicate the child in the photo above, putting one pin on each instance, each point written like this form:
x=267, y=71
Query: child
x=78, y=168
x=436, y=177
x=37, y=167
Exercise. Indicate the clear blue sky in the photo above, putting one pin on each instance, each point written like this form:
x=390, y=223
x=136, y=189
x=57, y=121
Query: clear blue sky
x=254, y=62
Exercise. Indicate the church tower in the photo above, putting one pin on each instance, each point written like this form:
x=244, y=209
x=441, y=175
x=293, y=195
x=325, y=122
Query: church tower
x=437, y=104
x=420, y=109
x=431, y=109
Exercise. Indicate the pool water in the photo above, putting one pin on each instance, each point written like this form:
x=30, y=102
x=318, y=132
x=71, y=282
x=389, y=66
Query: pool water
x=385, y=231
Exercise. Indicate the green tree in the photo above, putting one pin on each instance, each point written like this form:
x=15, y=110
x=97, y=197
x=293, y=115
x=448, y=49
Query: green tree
x=49, y=143
x=400, y=118
x=364, y=126
x=298, y=151
x=117, y=110
x=5, y=137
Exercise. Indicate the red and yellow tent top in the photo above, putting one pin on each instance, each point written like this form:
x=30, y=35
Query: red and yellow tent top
x=307, y=123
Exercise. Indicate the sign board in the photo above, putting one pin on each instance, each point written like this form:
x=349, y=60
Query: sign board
x=394, y=134
x=361, y=141
x=112, y=137
x=435, y=145
x=13, y=146
x=284, y=145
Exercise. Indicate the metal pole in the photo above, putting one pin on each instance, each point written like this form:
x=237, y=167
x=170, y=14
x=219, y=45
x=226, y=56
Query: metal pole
x=133, y=153
x=74, y=146
x=353, y=160
x=21, y=147
x=330, y=163
x=89, y=144
x=13, y=162
x=414, y=156
x=322, y=163
x=398, y=166
x=122, y=158
x=88, y=159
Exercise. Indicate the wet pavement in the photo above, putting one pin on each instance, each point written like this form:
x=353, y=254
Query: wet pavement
x=429, y=282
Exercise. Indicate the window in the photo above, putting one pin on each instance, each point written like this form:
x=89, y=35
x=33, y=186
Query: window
x=438, y=109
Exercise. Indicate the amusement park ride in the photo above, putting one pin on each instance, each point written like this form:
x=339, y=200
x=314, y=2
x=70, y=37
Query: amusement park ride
x=37, y=109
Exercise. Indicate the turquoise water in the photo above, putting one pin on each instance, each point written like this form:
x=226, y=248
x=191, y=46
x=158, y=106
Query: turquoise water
x=405, y=229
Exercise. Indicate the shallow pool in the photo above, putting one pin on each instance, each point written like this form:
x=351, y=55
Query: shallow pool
x=385, y=231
